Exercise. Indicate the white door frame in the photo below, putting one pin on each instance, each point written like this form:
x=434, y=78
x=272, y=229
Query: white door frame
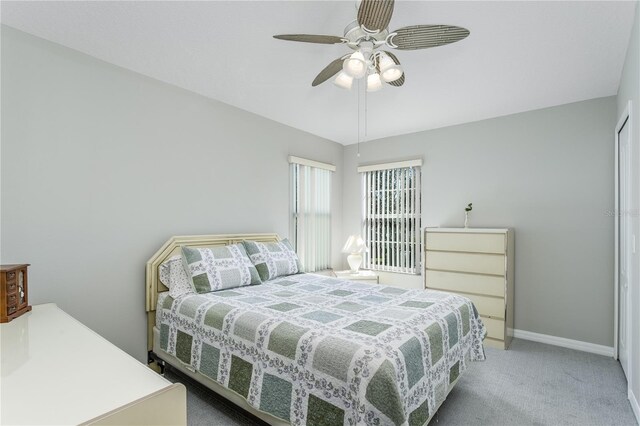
x=625, y=118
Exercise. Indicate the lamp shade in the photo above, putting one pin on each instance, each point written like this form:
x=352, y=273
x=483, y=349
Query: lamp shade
x=354, y=244
x=355, y=65
x=389, y=70
x=373, y=82
x=343, y=80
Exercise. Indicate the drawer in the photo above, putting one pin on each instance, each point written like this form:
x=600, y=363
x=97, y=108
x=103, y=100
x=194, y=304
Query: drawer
x=11, y=275
x=488, y=306
x=479, y=263
x=493, y=343
x=12, y=287
x=466, y=283
x=11, y=309
x=495, y=328
x=12, y=299
x=466, y=242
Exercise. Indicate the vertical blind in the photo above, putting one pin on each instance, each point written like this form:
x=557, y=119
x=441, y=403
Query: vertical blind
x=391, y=217
x=311, y=215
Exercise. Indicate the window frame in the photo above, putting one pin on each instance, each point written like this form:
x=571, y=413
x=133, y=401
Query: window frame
x=395, y=238
x=317, y=208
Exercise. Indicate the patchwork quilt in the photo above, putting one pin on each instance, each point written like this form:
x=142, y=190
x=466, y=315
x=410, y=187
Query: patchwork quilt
x=315, y=350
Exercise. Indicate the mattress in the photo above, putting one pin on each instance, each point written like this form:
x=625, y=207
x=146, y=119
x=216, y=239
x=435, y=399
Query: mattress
x=311, y=349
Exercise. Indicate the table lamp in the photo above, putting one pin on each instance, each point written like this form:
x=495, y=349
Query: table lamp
x=355, y=246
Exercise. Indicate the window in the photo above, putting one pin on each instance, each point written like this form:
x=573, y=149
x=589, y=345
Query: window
x=311, y=212
x=391, y=216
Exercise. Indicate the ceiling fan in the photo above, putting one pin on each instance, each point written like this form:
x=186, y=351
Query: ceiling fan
x=370, y=32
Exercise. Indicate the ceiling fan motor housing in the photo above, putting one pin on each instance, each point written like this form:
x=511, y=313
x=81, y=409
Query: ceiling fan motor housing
x=356, y=35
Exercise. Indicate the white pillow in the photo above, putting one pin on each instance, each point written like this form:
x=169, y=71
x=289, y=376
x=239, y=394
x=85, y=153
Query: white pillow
x=172, y=275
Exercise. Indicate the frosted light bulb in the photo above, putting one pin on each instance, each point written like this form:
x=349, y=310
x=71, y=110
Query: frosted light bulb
x=343, y=80
x=389, y=70
x=373, y=82
x=355, y=65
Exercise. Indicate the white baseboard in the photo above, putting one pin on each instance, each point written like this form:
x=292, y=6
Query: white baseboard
x=565, y=343
x=634, y=405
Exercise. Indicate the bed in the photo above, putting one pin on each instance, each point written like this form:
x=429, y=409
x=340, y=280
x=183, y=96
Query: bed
x=311, y=349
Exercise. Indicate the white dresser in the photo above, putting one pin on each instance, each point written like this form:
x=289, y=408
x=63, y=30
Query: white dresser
x=477, y=263
x=57, y=371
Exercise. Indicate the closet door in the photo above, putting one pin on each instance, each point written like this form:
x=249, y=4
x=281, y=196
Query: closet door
x=625, y=241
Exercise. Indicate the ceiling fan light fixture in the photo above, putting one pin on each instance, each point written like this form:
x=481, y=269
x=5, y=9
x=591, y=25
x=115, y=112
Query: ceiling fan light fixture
x=392, y=73
x=343, y=80
x=374, y=83
x=355, y=66
x=389, y=70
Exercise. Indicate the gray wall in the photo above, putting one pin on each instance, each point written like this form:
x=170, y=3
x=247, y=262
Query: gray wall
x=101, y=165
x=630, y=90
x=548, y=174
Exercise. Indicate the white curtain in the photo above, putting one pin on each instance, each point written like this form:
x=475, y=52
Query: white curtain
x=311, y=216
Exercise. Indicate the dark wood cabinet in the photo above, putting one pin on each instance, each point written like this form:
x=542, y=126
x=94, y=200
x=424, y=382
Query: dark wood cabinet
x=14, y=293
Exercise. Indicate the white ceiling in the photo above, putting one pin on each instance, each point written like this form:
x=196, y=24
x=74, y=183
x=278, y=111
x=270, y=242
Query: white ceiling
x=520, y=56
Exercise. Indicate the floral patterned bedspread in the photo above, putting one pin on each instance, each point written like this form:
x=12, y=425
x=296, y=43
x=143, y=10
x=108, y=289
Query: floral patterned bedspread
x=316, y=350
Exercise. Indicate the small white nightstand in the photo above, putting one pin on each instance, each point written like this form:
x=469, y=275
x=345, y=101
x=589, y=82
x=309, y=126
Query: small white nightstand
x=366, y=276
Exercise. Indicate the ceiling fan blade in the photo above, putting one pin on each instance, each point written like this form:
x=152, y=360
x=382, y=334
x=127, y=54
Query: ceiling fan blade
x=329, y=71
x=397, y=83
x=426, y=36
x=375, y=15
x=310, y=38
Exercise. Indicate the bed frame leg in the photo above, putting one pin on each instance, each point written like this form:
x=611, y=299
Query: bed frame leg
x=155, y=363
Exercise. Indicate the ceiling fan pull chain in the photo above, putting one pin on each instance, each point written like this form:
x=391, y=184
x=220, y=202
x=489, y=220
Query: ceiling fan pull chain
x=366, y=109
x=359, y=117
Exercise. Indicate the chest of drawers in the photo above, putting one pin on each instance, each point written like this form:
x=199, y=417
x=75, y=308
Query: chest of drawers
x=14, y=300
x=478, y=264
x=56, y=371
